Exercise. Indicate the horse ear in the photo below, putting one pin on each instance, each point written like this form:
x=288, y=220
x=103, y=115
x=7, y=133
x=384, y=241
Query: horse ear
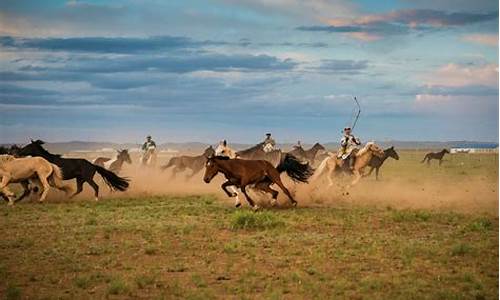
x=392, y=147
x=224, y=143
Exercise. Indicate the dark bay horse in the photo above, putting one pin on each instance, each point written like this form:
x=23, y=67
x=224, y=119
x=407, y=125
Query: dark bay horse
x=307, y=155
x=257, y=153
x=194, y=163
x=435, y=155
x=76, y=168
x=259, y=173
x=376, y=162
x=114, y=165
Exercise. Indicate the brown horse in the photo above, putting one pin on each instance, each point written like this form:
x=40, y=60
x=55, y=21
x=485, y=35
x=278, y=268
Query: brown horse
x=260, y=173
x=308, y=155
x=114, y=165
x=435, y=155
x=377, y=162
x=194, y=163
x=334, y=164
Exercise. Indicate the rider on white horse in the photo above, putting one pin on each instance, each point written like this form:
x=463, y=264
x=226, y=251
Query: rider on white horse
x=348, y=145
x=269, y=143
x=148, y=151
x=148, y=144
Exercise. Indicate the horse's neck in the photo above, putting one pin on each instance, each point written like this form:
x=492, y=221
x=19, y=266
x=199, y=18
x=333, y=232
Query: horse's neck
x=386, y=156
x=224, y=167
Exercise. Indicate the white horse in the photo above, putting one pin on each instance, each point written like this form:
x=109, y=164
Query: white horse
x=23, y=170
x=224, y=150
x=149, y=157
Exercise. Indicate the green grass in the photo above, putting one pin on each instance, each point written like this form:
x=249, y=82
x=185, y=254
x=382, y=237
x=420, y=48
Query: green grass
x=260, y=220
x=199, y=248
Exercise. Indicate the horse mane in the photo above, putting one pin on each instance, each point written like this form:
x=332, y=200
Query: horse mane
x=365, y=149
x=221, y=157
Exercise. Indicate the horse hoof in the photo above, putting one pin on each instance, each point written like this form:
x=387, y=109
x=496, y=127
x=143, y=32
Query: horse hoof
x=295, y=204
x=274, y=202
x=256, y=208
x=96, y=199
x=237, y=205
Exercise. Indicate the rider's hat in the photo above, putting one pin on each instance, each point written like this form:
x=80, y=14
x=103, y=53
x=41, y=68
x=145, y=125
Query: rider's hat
x=148, y=137
x=268, y=134
x=347, y=128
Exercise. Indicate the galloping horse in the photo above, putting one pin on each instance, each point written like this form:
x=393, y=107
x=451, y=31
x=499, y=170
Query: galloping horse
x=149, y=157
x=376, y=162
x=334, y=164
x=257, y=153
x=114, y=165
x=194, y=163
x=21, y=170
x=242, y=173
x=307, y=155
x=76, y=168
x=435, y=155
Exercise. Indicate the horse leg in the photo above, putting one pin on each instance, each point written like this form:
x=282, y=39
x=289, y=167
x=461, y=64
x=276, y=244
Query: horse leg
x=275, y=178
x=376, y=173
x=440, y=161
x=249, y=200
x=94, y=185
x=369, y=172
x=79, y=187
x=45, y=186
x=224, y=187
x=265, y=186
x=5, y=190
x=26, y=191
x=357, y=177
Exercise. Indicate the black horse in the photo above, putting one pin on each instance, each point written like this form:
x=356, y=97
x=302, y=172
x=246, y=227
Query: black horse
x=376, y=162
x=76, y=168
x=435, y=155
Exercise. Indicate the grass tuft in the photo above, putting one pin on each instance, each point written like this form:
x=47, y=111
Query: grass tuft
x=117, y=287
x=12, y=293
x=258, y=220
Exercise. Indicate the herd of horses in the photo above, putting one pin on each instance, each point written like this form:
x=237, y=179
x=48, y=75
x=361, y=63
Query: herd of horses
x=35, y=168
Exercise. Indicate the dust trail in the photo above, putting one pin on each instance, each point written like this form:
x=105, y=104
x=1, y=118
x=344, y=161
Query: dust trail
x=418, y=189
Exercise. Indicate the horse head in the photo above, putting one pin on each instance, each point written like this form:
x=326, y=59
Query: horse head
x=392, y=153
x=124, y=155
x=211, y=168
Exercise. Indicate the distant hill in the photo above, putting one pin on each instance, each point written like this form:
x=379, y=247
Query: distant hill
x=195, y=147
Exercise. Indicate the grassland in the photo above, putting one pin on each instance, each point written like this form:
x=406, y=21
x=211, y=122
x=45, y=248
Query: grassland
x=196, y=247
x=200, y=247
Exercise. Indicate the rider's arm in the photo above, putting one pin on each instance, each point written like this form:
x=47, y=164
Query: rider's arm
x=343, y=141
x=356, y=140
x=143, y=146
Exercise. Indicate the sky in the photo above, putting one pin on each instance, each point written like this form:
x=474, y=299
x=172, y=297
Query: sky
x=194, y=70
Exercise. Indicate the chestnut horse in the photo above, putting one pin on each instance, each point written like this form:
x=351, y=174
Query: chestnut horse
x=260, y=173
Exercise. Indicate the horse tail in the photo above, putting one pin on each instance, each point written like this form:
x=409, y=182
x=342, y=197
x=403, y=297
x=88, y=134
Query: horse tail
x=295, y=169
x=425, y=157
x=115, y=182
x=57, y=178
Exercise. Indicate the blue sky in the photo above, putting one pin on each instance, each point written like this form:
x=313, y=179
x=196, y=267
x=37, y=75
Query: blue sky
x=208, y=70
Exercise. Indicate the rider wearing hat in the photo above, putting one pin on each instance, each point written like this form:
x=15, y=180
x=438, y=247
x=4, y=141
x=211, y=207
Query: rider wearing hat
x=348, y=145
x=148, y=144
x=269, y=143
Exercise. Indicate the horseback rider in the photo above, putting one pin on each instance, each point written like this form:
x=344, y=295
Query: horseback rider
x=269, y=144
x=148, y=144
x=348, y=147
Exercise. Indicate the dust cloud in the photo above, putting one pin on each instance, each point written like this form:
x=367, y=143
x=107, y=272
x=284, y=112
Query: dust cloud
x=437, y=192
